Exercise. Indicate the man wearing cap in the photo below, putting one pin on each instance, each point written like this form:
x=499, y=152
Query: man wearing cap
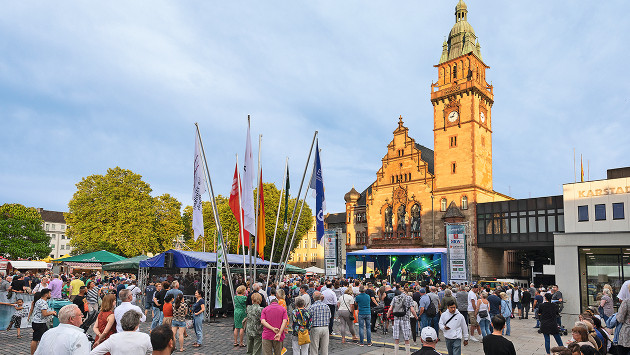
x=429, y=338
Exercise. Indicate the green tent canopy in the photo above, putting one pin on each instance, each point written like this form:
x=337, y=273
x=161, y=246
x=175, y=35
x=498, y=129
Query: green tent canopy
x=131, y=264
x=97, y=257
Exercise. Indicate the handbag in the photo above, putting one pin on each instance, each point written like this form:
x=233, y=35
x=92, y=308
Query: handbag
x=189, y=324
x=303, y=335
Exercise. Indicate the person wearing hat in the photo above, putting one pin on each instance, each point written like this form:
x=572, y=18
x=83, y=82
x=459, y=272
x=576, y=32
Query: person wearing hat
x=429, y=339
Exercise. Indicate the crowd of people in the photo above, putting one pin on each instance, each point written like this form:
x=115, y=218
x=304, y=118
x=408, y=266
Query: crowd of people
x=105, y=312
x=304, y=308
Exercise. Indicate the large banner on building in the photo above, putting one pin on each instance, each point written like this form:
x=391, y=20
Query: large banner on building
x=330, y=252
x=456, y=236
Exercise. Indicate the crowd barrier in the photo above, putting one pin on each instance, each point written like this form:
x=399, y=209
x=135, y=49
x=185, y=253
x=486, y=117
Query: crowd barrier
x=7, y=311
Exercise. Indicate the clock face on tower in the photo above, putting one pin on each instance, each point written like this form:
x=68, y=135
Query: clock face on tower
x=482, y=117
x=453, y=116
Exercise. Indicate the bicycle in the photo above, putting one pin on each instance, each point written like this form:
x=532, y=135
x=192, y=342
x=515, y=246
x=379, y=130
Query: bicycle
x=380, y=324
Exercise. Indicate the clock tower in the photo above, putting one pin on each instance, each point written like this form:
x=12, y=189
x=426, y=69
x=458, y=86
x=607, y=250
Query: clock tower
x=462, y=104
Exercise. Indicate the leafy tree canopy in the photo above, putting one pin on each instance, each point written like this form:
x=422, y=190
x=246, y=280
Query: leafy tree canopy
x=231, y=229
x=115, y=212
x=21, y=232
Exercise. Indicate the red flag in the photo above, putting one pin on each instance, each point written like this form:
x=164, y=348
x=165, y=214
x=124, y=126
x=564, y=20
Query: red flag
x=234, y=206
x=262, y=237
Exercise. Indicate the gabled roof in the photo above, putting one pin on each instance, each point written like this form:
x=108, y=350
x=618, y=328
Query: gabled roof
x=333, y=218
x=426, y=155
x=453, y=211
x=51, y=216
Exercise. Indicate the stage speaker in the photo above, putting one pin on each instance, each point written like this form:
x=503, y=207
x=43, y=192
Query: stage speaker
x=168, y=260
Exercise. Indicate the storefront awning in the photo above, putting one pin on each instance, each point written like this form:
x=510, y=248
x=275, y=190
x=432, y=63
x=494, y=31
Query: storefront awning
x=26, y=264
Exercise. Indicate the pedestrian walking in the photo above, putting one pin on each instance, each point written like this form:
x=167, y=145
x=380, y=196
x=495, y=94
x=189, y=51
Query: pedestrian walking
x=526, y=301
x=399, y=308
x=363, y=302
x=495, y=343
x=454, y=327
x=472, y=312
x=302, y=322
x=549, y=313
x=320, y=314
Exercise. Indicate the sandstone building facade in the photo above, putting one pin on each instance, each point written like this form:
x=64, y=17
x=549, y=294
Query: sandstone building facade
x=418, y=189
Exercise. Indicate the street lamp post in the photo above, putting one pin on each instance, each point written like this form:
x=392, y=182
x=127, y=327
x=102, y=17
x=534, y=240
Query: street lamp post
x=531, y=263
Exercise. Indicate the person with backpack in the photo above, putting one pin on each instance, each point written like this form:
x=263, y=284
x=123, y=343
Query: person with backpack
x=453, y=325
x=399, y=308
x=429, y=309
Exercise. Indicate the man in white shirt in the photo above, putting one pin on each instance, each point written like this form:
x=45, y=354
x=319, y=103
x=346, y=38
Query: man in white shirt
x=454, y=327
x=129, y=341
x=67, y=337
x=135, y=291
x=472, y=307
x=125, y=305
x=305, y=296
x=330, y=299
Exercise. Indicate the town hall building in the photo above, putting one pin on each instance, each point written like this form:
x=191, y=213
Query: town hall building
x=418, y=190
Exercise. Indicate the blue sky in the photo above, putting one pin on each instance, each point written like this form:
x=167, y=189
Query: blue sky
x=86, y=86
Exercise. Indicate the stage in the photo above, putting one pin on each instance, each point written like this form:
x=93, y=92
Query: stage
x=403, y=264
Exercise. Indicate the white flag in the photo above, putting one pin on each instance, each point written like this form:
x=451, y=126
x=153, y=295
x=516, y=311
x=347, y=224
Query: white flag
x=247, y=181
x=199, y=188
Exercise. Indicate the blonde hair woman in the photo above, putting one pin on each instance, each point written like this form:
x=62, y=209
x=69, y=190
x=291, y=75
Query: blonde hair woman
x=345, y=306
x=240, y=312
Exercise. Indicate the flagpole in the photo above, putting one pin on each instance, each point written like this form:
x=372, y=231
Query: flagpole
x=215, y=211
x=242, y=226
x=284, y=265
x=297, y=200
x=259, y=182
x=275, y=230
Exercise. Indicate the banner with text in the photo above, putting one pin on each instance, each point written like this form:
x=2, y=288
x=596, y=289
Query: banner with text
x=330, y=252
x=456, y=236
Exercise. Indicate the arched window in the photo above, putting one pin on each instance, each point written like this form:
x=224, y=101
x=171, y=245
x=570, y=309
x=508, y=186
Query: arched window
x=443, y=204
x=401, y=228
x=464, y=202
x=455, y=71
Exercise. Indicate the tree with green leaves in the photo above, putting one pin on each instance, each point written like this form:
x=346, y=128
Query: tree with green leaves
x=116, y=212
x=21, y=232
x=230, y=226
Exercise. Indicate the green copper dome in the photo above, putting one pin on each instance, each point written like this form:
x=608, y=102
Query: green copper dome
x=462, y=39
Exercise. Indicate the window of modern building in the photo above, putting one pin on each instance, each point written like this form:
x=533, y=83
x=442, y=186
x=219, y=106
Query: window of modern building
x=618, y=212
x=443, y=204
x=63, y=236
x=62, y=247
x=52, y=227
x=464, y=202
x=63, y=227
x=47, y=226
x=582, y=213
x=600, y=212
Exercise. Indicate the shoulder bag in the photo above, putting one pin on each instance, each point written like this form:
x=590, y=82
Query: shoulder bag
x=303, y=335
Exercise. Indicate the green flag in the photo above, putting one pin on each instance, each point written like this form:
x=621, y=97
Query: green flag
x=219, y=281
x=286, y=199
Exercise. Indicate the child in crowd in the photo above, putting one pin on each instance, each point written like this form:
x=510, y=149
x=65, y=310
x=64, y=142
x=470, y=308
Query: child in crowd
x=16, y=319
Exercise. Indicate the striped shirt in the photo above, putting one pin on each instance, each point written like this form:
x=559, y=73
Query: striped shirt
x=320, y=313
x=92, y=296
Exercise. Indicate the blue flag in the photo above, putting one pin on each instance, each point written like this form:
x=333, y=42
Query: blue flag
x=317, y=184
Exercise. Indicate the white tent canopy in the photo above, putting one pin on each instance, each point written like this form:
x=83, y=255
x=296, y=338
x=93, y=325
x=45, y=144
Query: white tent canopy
x=315, y=270
x=26, y=264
